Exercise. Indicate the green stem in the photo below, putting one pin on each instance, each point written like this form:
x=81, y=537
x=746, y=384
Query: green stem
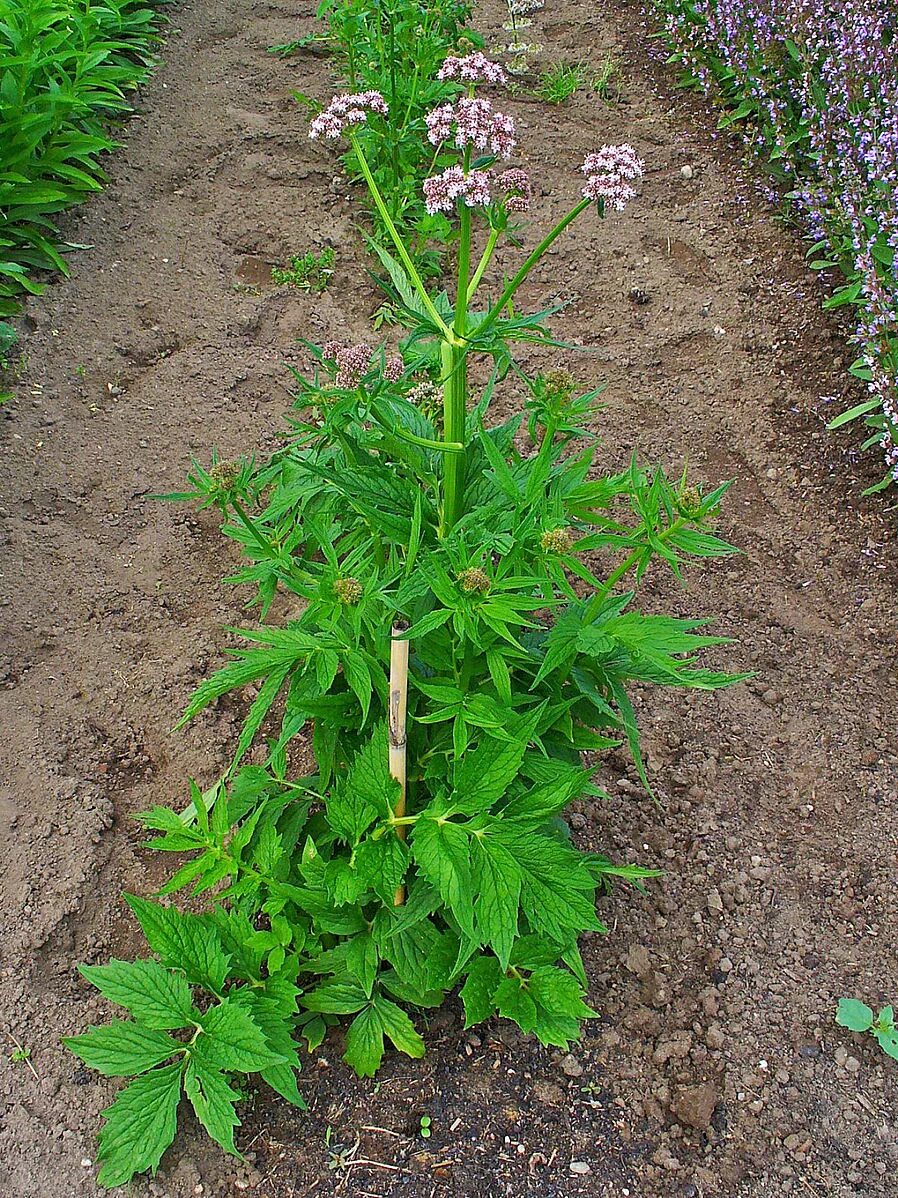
x=264, y=544
x=624, y=567
x=484, y=262
x=464, y=270
x=454, y=358
x=394, y=143
x=454, y=362
x=397, y=241
x=529, y=262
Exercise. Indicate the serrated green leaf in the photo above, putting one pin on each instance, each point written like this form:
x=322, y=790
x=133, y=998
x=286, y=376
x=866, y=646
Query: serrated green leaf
x=479, y=988
x=365, y=1043
x=139, y=1125
x=557, y=888
x=442, y=853
x=213, y=1099
x=481, y=778
x=282, y=1079
x=234, y=1040
x=399, y=1027
x=513, y=1002
x=122, y=1048
x=183, y=941
x=335, y=998
x=362, y=960
x=383, y=864
x=157, y=997
x=497, y=886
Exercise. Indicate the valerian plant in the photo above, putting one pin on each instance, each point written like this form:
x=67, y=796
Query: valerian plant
x=397, y=514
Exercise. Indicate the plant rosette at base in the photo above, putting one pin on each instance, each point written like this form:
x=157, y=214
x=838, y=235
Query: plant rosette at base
x=408, y=528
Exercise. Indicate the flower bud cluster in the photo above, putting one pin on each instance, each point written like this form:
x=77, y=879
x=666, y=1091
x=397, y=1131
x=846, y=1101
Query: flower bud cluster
x=348, y=590
x=515, y=185
x=352, y=362
x=441, y=191
x=557, y=540
x=474, y=581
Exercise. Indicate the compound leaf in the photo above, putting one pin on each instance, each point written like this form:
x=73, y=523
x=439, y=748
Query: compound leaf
x=183, y=941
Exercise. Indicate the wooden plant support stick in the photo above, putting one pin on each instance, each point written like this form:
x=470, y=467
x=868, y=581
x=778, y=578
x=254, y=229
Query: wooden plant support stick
x=398, y=706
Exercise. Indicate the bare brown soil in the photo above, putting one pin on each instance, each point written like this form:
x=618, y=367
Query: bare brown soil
x=715, y=1069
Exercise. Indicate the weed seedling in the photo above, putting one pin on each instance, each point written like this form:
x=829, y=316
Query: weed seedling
x=559, y=81
x=602, y=81
x=424, y=1130
x=309, y=271
x=21, y=1055
x=858, y=1017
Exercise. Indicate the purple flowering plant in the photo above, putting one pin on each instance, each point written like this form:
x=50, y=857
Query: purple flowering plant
x=815, y=86
x=398, y=523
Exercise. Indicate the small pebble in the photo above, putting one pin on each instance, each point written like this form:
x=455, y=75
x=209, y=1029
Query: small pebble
x=580, y=1167
x=571, y=1066
x=686, y=171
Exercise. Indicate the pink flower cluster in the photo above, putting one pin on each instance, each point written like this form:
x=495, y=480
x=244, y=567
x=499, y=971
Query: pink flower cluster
x=515, y=184
x=441, y=191
x=352, y=362
x=610, y=173
x=394, y=368
x=473, y=68
x=476, y=124
x=346, y=110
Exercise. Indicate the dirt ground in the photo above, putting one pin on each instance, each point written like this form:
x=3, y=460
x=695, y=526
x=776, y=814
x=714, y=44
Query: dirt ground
x=715, y=1069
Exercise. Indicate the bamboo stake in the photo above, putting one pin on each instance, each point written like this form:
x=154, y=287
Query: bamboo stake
x=398, y=706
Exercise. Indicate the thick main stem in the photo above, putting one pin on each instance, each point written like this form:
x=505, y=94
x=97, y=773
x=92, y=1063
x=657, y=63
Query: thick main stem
x=455, y=372
x=454, y=358
x=397, y=734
